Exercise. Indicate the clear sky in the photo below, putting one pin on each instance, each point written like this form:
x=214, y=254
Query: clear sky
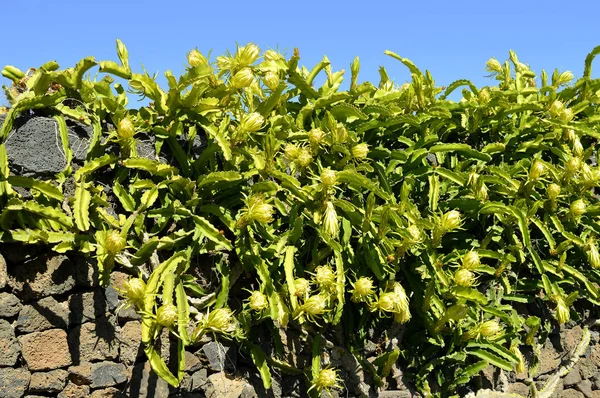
x=452, y=39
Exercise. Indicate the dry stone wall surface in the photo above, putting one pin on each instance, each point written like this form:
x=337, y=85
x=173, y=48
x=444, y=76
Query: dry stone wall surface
x=62, y=335
x=79, y=341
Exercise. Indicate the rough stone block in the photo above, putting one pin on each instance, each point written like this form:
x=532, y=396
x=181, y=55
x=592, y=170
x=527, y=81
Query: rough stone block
x=74, y=391
x=81, y=374
x=87, y=306
x=45, y=275
x=46, y=350
x=9, y=345
x=572, y=378
x=131, y=342
x=219, y=356
x=223, y=385
x=587, y=368
x=108, y=374
x=145, y=383
x=585, y=387
x=94, y=341
x=48, y=382
x=44, y=314
x=572, y=393
x=13, y=382
x=192, y=363
x=10, y=305
x=110, y=392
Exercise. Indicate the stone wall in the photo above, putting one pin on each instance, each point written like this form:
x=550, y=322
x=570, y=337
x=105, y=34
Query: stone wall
x=61, y=335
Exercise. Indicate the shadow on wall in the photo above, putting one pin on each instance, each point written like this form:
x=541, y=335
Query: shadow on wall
x=60, y=292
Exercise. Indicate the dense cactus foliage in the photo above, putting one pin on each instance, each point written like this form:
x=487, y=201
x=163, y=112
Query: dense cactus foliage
x=376, y=205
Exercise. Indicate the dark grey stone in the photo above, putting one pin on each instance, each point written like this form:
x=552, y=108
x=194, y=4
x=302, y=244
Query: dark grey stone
x=94, y=341
x=198, y=380
x=86, y=271
x=432, y=159
x=290, y=386
x=587, y=368
x=13, y=382
x=594, y=337
x=9, y=345
x=34, y=147
x=596, y=381
x=10, y=305
x=87, y=306
x=128, y=313
x=108, y=374
x=18, y=253
x=145, y=383
x=585, y=387
x=112, y=298
x=79, y=138
x=220, y=357
x=44, y=314
x=248, y=392
x=572, y=378
x=185, y=383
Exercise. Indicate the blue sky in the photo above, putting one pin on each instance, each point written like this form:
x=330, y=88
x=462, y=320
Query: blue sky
x=452, y=39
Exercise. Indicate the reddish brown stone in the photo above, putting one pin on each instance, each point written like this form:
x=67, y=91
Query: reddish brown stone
x=74, y=391
x=46, y=350
x=571, y=338
x=53, y=381
x=549, y=360
x=108, y=393
x=81, y=374
x=131, y=342
x=118, y=279
x=192, y=363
